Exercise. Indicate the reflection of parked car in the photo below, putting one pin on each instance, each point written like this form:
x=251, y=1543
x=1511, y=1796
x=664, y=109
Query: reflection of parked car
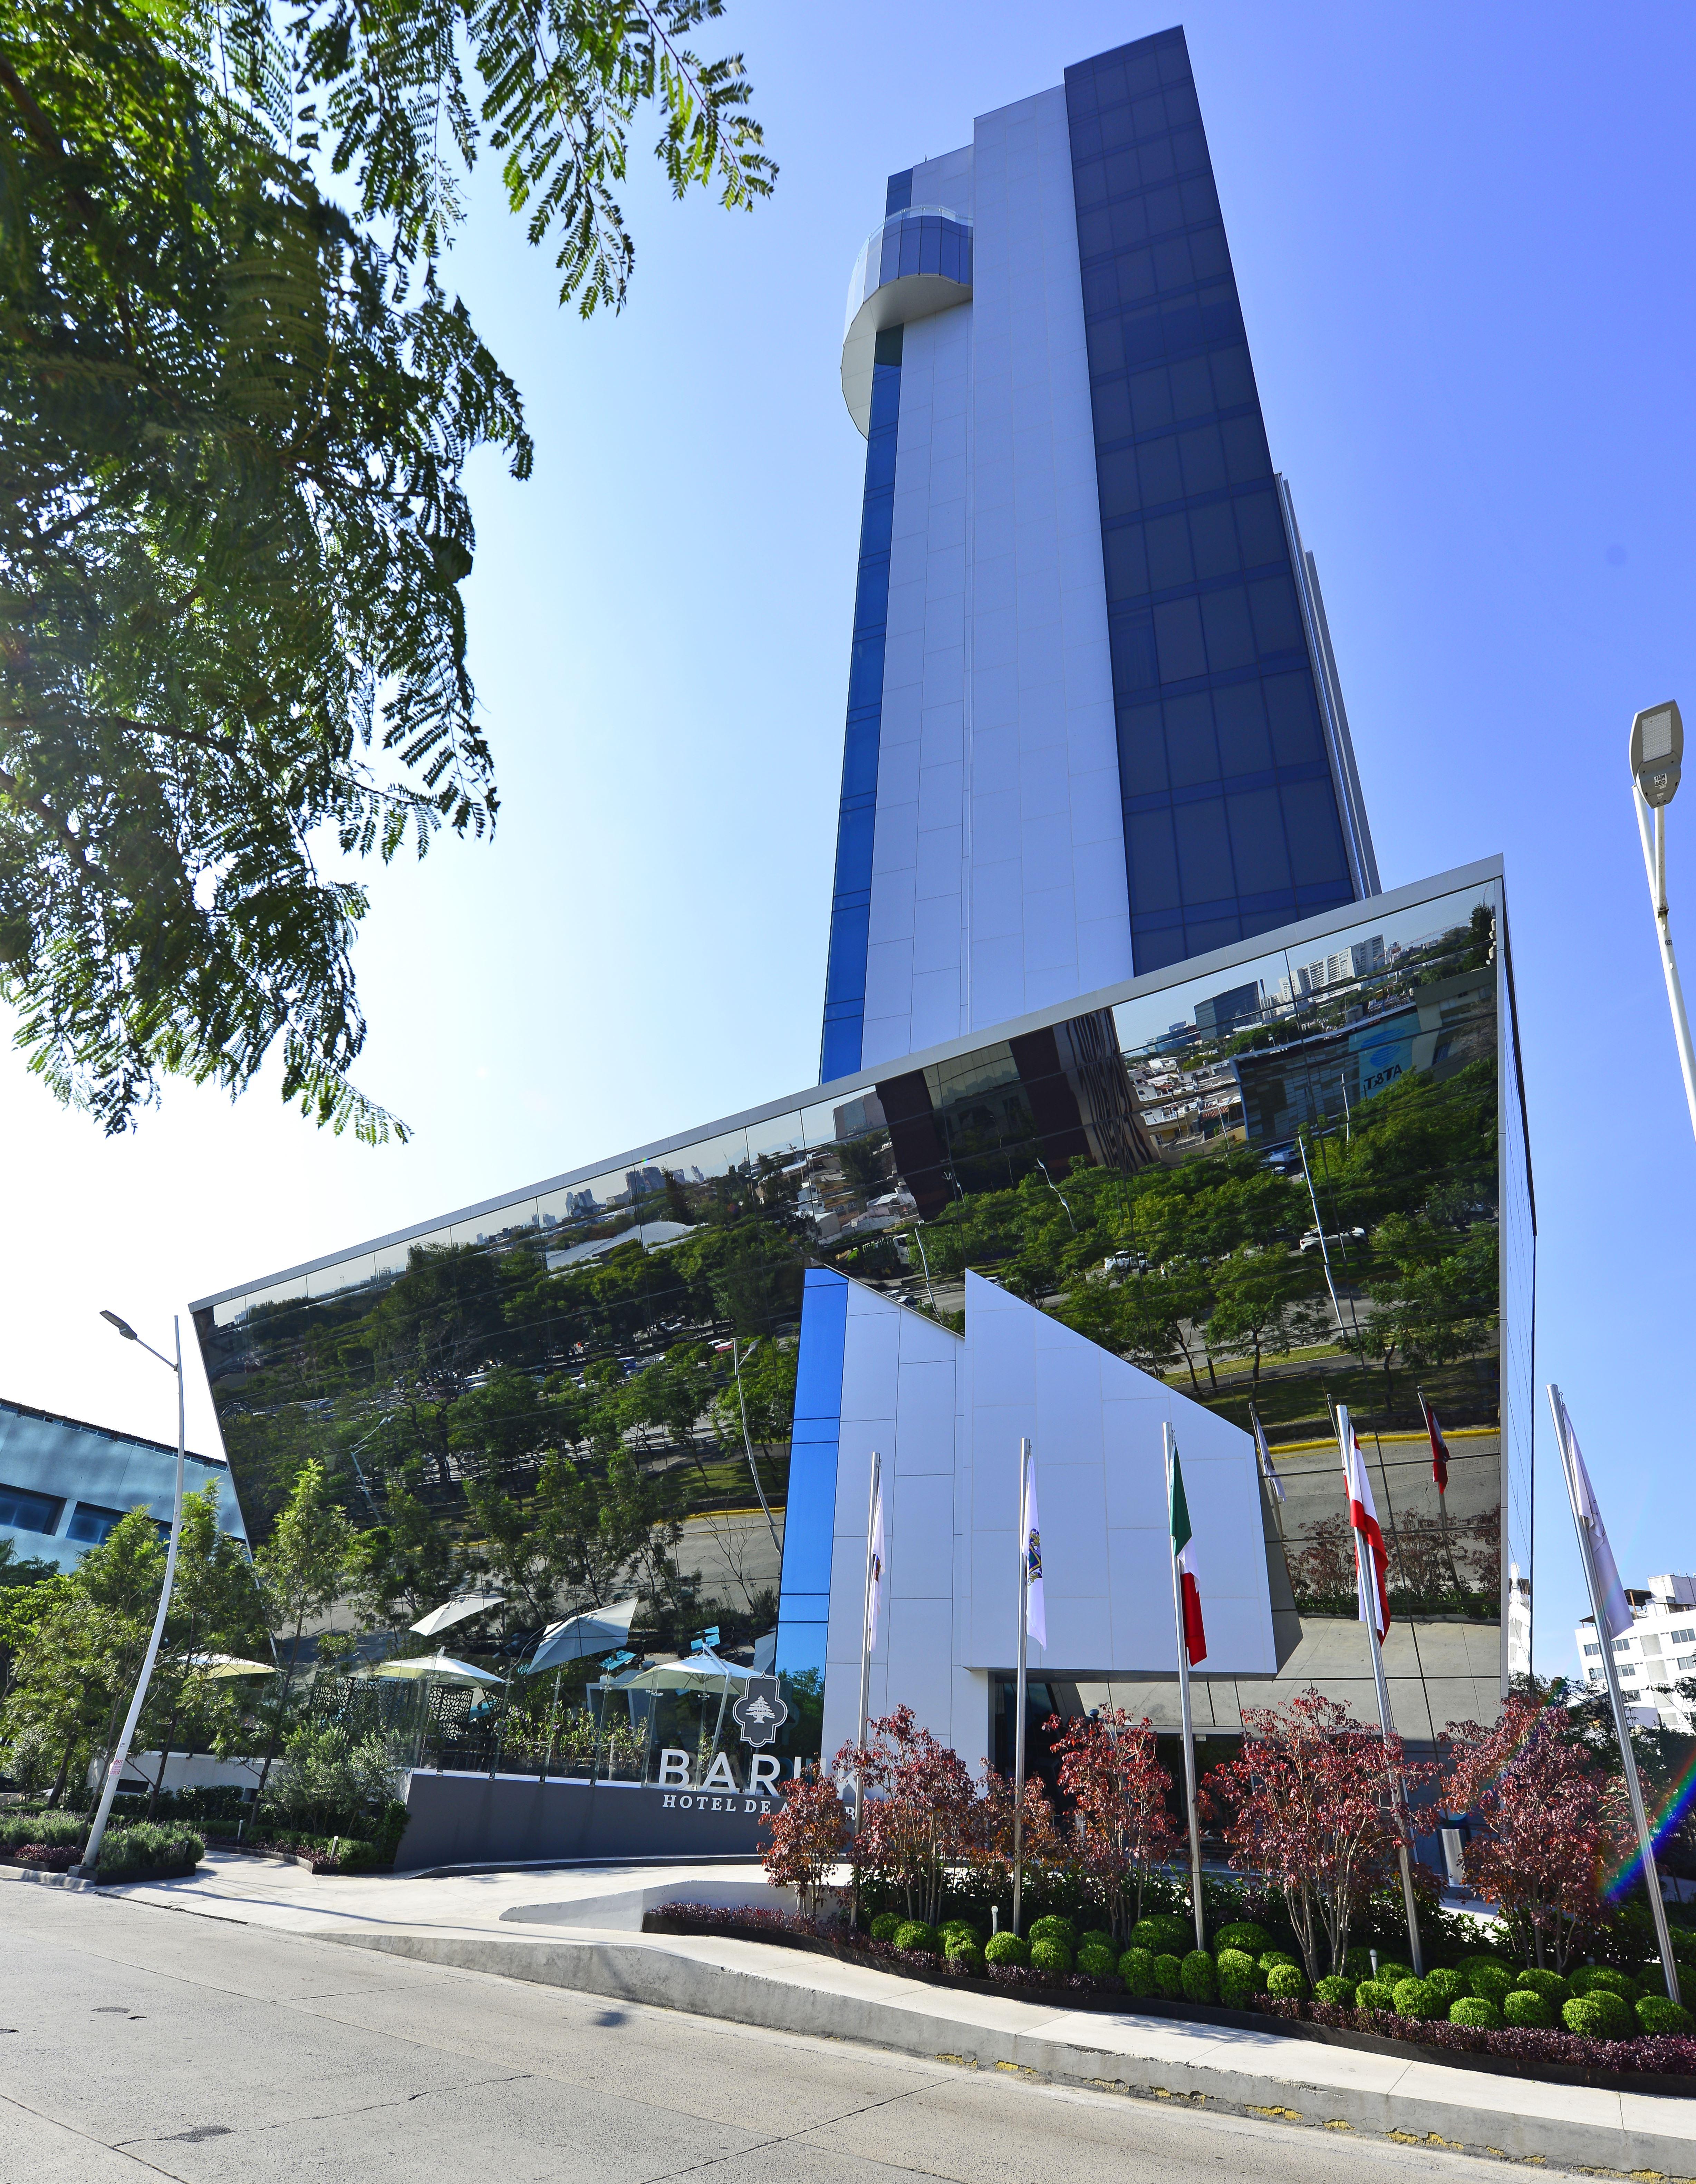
x=1124, y=1262
x=1310, y=1241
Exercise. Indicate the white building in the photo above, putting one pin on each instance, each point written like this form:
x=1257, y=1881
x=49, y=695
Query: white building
x=1655, y=1655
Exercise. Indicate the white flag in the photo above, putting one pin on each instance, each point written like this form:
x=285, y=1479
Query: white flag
x=874, y=1597
x=1372, y=1568
x=1265, y=1455
x=1031, y=1540
x=1615, y=1614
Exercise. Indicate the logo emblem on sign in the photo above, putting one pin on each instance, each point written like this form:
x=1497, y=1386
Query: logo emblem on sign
x=759, y=1712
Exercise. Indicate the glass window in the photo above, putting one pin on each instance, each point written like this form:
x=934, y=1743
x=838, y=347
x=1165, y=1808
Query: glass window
x=1117, y=479
x=1203, y=460
x=1135, y=273
x=1190, y=750
x=1127, y=564
x=1090, y=182
x=1151, y=400
x=1277, y=623
x=1112, y=401
x=1201, y=199
x=1244, y=746
x=26, y=1512
x=1203, y=851
x=1260, y=526
x=90, y=1524
x=1130, y=640
x=1165, y=210
x=1208, y=252
x=1151, y=853
x=1128, y=223
x=1157, y=463
x=1170, y=562
x=1178, y=635
x=1294, y=719
x=1192, y=393
x=1231, y=637
x=1314, y=833
x=1246, y=458
x=1256, y=839
x=1172, y=266
x=1214, y=537
x=1141, y=750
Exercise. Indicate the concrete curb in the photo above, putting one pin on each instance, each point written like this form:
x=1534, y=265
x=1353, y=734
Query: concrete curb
x=45, y=1879
x=1646, y=2135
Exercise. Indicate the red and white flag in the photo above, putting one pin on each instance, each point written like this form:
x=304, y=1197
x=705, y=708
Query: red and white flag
x=1184, y=1552
x=1439, y=1448
x=1372, y=1564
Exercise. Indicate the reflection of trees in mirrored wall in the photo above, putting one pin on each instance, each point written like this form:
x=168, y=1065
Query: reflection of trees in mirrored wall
x=1278, y=1188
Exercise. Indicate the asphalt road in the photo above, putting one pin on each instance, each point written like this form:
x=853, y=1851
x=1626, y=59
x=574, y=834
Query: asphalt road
x=143, y=2042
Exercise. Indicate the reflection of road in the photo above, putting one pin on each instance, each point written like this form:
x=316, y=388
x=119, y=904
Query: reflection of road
x=732, y=1550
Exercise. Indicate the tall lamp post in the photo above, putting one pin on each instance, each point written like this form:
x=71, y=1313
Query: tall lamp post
x=1657, y=759
x=91, y=1856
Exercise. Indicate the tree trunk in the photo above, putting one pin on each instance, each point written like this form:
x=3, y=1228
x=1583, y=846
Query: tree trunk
x=281, y=1706
x=64, y=1770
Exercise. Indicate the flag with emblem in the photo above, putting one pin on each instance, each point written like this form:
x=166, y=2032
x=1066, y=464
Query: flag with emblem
x=1184, y=1553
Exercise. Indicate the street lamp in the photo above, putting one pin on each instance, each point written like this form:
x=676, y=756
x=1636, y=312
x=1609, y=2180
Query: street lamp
x=1657, y=758
x=91, y=1856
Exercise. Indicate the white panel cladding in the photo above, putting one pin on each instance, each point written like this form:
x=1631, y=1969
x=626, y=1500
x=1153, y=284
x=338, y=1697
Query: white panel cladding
x=1047, y=915
x=947, y=1416
x=998, y=874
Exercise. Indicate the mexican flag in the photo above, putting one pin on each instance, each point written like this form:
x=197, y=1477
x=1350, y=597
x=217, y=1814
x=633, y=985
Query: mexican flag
x=1439, y=1448
x=1184, y=1554
x=1374, y=1563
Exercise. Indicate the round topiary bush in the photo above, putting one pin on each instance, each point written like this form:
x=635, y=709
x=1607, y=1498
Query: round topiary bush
x=914, y=1934
x=1097, y=1961
x=1053, y=1927
x=1163, y=1932
x=887, y=1924
x=1446, y=1984
x=1656, y=2014
x=1415, y=1998
x=958, y=1930
x=1473, y=2010
x=1287, y=1982
x=1050, y=1957
x=1373, y=1994
x=1097, y=1938
x=1243, y=1934
x=966, y=1954
x=1198, y=1977
x=1006, y=1949
x=1618, y=2020
x=1521, y=2007
x=1553, y=1989
x=1168, y=1975
x=1336, y=1990
x=1136, y=1970
x=1240, y=1978
x=1582, y=2013
x=1489, y=1980
x=1390, y=1973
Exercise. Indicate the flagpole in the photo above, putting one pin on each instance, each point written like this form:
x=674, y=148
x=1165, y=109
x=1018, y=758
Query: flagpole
x=1616, y=1699
x=1368, y=1600
x=866, y=1641
x=1020, y=1688
x=1184, y=1710
x=1429, y=1416
x=1263, y=1451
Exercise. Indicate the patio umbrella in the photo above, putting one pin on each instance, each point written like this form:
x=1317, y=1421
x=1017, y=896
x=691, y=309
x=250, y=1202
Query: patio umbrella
x=597, y=1630
x=214, y=1666
x=455, y=1611
x=696, y=1671
x=435, y=1668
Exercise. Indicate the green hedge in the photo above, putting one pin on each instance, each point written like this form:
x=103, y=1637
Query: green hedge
x=57, y=1830
x=147, y=1850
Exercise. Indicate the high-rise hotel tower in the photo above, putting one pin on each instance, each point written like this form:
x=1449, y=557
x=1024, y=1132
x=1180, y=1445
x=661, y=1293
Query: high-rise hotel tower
x=1094, y=722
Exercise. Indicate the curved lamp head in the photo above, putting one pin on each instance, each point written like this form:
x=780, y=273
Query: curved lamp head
x=1658, y=753
x=123, y=1326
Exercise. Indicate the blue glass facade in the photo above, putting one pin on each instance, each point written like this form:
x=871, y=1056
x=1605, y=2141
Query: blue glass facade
x=1231, y=823
x=850, y=900
x=810, y=1521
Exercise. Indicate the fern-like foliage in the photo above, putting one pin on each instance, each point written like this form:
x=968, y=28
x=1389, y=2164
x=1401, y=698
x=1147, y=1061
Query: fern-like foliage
x=234, y=421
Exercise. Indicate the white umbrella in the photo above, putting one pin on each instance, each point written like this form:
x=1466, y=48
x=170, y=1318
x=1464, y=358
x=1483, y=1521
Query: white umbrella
x=216, y=1665
x=597, y=1630
x=696, y=1671
x=455, y=1611
x=434, y=1669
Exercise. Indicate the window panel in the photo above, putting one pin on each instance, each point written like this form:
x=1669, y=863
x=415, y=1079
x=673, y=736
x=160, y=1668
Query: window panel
x=1128, y=222
x=1117, y=476
x=1141, y=750
x=1178, y=634
x=1233, y=377
x=1192, y=752
x=1136, y=269
x=1277, y=623
x=1115, y=128
x=1204, y=866
x=1170, y=562
x=1154, y=860
x=1202, y=458
x=1201, y=198
x=1165, y=208
x=1157, y=464
x=1208, y=252
x=1257, y=840
x=1127, y=564
x=1090, y=182
x=1260, y=526
x=1294, y=719
x=1172, y=268
x=1245, y=450
x=1314, y=831
x=1192, y=393
x=1105, y=346
x=1212, y=536
x=1230, y=633
x=1155, y=163
x=1151, y=400
x=1123, y=174
x=1095, y=233
x=1112, y=401
x=1240, y=715
x=1130, y=639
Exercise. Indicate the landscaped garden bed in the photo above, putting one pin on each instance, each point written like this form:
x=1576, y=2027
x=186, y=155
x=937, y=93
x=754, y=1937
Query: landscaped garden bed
x=1645, y=2061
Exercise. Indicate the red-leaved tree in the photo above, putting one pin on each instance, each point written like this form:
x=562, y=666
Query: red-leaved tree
x=809, y=1836
x=1308, y=1806
x=917, y=1812
x=987, y=1848
x=1556, y=1826
x=1109, y=1770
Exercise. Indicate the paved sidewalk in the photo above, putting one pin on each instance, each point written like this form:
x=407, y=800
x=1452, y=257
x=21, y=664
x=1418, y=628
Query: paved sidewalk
x=579, y=1928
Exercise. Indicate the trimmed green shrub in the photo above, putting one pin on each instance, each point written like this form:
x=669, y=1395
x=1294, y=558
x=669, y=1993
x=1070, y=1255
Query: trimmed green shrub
x=914, y=1934
x=1267, y=1958
x=141, y=1851
x=1415, y=1998
x=1097, y=1938
x=1473, y=2010
x=1163, y=1932
x=1489, y=1980
x=1655, y=2012
x=887, y=1924
x=1053, y=1927
x=1196, y=1976
x=1446, y=1984
x=1357, y=1964
x=1006, y=1949
x=1618, y=2020
x=966, y=1953
x=1391, y=1973
x=1240, y=1978
x=1098, y=1962
x=1243, y=1934
x=1589, y=1977
x=59, y=1830
x=1287, y=1982
x=1336, y=1990
x=1373, y=1994
x=1050, y=1957
x=959, y=1929
x=1553, y=1989
x=1521, y=2006
x=1136, y=1970
x=1582, y=2013
x=1169, y=1975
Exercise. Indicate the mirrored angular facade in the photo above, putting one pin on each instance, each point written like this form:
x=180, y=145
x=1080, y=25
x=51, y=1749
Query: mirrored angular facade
x=1290, y=1174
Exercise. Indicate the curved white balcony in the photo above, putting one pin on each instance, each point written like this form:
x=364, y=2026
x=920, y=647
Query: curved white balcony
x=917, y=263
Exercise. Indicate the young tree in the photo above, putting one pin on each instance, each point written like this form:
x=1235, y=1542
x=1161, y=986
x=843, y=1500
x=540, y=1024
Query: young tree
x=808, y=1834
x=1555, y=1825
x=399, y=1570
x=301, y=1569
x=917, y=1812
x=1308, y=1806
x=1260, y=1301
x=1110, y=1771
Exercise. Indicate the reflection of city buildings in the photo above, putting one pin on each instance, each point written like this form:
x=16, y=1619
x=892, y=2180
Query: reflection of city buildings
x=1656, y=1657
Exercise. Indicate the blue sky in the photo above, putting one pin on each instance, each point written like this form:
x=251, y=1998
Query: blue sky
x=1463, y=240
